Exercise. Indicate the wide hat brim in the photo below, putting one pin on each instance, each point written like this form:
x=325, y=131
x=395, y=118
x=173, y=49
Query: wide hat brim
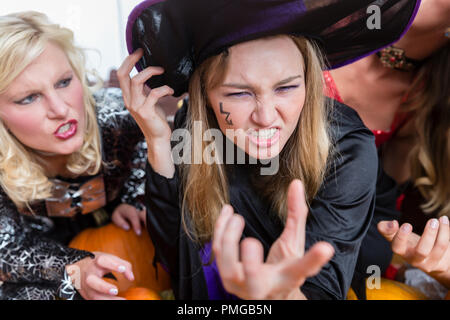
x=179, y=35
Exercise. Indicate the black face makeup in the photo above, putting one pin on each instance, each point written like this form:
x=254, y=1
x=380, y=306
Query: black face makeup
x=227, y=114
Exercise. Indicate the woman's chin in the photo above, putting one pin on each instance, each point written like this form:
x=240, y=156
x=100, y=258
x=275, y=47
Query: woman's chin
x=65, y=149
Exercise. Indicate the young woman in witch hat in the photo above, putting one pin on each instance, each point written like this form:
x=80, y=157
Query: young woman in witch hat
x=253, y=70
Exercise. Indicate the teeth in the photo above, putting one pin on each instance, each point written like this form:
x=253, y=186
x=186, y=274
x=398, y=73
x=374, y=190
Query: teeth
x=264, y=134
x=64, y=128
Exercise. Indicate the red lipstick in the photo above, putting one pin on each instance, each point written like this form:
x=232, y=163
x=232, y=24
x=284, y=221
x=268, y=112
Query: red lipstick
x=67, y=130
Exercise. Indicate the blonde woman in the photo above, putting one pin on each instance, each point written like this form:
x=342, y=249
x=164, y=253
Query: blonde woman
x=256, y=133
x=63, y=157
x=402, y=95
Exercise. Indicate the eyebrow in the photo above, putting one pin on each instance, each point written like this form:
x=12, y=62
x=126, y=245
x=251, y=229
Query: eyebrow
x=247, y=87
x=27, y=93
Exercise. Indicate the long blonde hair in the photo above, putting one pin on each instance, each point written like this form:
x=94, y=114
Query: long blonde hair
x=23, y=38
x=304, y=157
x=430, y=158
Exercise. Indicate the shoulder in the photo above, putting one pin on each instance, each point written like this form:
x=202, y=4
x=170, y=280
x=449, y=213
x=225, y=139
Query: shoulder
x=10, y=218
x=344, y=120
x=110, y=107
x=350, y=136
x=112, y=113
x=5, y=202
x=353, y=166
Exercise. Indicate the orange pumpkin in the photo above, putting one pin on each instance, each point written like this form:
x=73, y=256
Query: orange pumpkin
x=139, y=251
x=390, y=290
x=140, y=294
x=394, y=290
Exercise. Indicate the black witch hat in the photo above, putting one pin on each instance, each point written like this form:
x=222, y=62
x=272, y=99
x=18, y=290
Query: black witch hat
x=179, y=35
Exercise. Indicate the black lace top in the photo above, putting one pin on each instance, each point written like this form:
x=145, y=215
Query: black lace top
x=33, y=249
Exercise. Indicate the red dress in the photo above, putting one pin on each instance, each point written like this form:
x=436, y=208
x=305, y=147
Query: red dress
x=380, y=136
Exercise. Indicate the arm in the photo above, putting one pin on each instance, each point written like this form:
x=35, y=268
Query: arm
x=29, y=261
x=142, y=107
x=38, y=268
x=162, y=187
x=341, y=212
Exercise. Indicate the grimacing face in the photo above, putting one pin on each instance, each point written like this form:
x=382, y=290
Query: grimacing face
x=258, y=105
x=44, y=106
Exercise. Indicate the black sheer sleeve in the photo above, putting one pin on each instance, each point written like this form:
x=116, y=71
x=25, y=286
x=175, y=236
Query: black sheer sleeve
x=343, y=209
x=134, y=186
x=163, y=217
x=30, y=262
x=124, y=147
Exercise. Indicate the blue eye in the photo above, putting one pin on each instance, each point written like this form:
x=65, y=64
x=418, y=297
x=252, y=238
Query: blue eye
x=287, y=88
x=28, y=100
x=64, y=83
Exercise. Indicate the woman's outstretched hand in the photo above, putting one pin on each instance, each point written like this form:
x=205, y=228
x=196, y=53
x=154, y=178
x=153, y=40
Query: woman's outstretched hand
x=244, y=272
x=430, y=252
x=90, y=275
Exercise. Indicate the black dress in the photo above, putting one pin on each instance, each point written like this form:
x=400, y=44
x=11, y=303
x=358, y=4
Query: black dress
x=340, y=214
x=33, y=249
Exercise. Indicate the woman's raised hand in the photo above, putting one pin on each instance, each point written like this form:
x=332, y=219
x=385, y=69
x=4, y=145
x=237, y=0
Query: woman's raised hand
x=430, y=252
x=89, y=272
x=244, y=272
x=149, y=118
x=142, y=106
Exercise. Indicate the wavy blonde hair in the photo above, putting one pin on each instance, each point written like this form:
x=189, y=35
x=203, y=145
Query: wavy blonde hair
x=430, y=158
x=23, y=38
x=304, y=157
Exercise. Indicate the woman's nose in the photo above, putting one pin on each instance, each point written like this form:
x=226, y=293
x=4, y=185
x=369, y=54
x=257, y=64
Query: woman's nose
x=265, y=114
x=57, y=107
